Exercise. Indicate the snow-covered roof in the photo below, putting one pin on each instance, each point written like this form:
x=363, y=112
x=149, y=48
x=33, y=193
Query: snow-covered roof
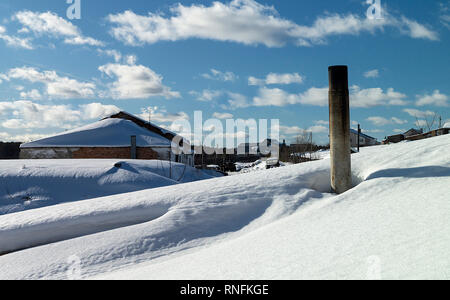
x=362, y=134
x=105, y=133
x=446, y=125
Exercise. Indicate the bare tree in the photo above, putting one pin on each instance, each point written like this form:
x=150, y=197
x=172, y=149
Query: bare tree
x=429, y=121
x=303, y=145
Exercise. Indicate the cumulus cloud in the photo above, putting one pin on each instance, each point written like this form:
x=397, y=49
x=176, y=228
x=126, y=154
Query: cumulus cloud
x=250, y=23
x=419, y=113
x=15, y=41
x=25, y=114
x=236, y=101
x=381, y=121
x=112, y=53
x=445, y=14
x=23, y=138
x=278, y=97
x=372, y=74
x=223, y=116
x=50, y=24
x=31, y=95
x=362, y=98
x=56, y=86
x=93, y=111
x=136, y=82
x=295, y=130
x=435, y=99
x=274, y=78
x=156, y=114
x=206, y=95
x=372, y=97
x=220, y=76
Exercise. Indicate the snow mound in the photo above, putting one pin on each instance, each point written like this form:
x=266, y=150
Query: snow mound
x=276, y=224
x=30, y=184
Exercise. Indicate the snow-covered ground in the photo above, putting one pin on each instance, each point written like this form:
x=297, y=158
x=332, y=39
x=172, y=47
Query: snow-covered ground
x=276, y=224
x=259, y=165
x=30, y=184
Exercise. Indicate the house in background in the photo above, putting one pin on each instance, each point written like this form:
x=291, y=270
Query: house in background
x=364, y=139
x=120, y=136
x=415, y=135
x=393, y=139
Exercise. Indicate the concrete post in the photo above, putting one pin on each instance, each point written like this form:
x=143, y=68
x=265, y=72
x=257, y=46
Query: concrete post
x=339, y=103
x=359, y=137
x=133, y=147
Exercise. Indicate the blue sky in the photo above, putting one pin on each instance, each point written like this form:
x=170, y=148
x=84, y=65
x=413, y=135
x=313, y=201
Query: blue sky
x=230, y=59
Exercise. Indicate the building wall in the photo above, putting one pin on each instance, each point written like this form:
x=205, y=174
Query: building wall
x=104, y=153
x=87, y=153
x=362, y=140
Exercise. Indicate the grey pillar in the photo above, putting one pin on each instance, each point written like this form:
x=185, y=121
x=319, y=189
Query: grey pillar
x=133, y=147
x=359, y=136
x=339, y=102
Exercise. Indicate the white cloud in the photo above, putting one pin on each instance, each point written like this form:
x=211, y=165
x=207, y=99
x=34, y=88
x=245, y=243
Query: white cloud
x=445, y=20
x=131, y=59
x=417, y=30
x=56, y=86
x=52, y=25
x=399, y=130
x=278, y=97
x=155, y=114
x=223, y=116
x=318, y=129
x=274, y=97
x=372, y=74
x=26, y=114
x=112, y=53
x=220, y=76
x=206, y=95
x=323, y=122
x=372, y=97
x=250, y=23
x=419, y=113
x=273, y=78
x=136, y=82
x=295, y=130
x=381, y=121
x=31, y=95
x=362, y=98
x=236, y=101
x=445, y=14
x=23, y=138
x=435, y=99
x=97, y=111
x=15, y=41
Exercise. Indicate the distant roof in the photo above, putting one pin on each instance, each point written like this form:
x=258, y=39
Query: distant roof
x=446, y=125
x=362, y=134
x=109, y=132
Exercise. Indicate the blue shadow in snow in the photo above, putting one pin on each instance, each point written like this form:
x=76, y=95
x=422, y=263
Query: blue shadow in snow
x=423, y=172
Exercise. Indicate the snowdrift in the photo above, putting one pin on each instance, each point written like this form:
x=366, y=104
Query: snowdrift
x=30, y=184
x=275, y=224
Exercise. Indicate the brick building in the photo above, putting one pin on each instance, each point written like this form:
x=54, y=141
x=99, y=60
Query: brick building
x=120, y=136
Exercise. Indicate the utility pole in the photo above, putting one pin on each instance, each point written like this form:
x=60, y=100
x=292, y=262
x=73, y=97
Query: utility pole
x=339, y=105
x=359, y=135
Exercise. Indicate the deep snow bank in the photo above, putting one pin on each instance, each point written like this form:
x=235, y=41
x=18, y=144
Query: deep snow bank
x=275, y=224
x=30, y=184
